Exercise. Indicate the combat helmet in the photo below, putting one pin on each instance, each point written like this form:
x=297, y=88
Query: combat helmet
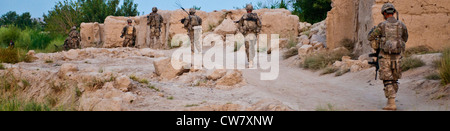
x=249, y=7
x=154, y=9
x=192, y=11
x=130, y=21
x=74, y=28
x=388, y=8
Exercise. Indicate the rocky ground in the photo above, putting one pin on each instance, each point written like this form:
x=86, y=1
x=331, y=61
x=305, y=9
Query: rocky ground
x=126, y=79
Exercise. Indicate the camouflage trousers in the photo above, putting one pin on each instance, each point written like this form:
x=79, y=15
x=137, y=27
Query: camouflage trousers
x=250, y=43
x=155, y=34
x=71, y=43
x=191, y=38
x=390, y=72
x=128, y=42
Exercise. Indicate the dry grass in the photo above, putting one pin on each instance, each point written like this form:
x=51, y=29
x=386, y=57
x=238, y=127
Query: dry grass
x=444, y=68
x=423, y=49
x=341, y=72
x=323, y=59
x=291, y=52
x=411, y=63
x=329, y=70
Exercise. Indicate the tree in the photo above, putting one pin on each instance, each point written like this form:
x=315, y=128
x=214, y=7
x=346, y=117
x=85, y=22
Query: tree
x=128, y=9
x=22, y=21
x=98, y=10
x=9, y=18
x=311, y=11
x=62, y=17
x=66, y=14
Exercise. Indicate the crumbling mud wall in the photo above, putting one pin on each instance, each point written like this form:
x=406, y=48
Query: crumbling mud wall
x=428, y=22
x=275, y=21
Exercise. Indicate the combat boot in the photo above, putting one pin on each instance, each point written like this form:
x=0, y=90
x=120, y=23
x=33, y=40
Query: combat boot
x=390, y=105
x=250, y=64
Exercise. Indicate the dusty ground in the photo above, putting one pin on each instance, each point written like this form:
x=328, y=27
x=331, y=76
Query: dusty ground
x=295, y=88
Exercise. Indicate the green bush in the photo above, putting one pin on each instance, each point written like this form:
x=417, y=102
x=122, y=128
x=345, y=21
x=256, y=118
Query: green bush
x=444, y=68
x=13, y=104
x=411, y=63
x=7, y=34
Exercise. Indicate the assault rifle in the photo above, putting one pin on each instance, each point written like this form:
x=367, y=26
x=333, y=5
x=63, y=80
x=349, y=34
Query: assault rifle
x=376, y=55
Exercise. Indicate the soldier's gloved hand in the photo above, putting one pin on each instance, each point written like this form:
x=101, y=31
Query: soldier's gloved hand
x=121, y=36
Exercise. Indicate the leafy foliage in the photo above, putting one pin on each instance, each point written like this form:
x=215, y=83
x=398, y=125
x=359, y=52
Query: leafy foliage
x=67, y=13
x=21, y=21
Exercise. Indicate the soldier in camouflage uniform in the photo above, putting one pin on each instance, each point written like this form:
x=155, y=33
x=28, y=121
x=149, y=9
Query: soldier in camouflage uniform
x=129, y=31
x=250, y=25
x=189, y=23
x=389, y=37
x=73, y=41
x=155, y=20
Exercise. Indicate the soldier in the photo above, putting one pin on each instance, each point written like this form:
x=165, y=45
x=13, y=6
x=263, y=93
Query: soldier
x=11, y=44
x=129, y=31
x=189, y=23
x=250, y=24
x=73, y=41
x=391, y=36
x=155, y=20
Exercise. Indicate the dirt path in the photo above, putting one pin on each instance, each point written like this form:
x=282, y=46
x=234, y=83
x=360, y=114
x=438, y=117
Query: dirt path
x=303, y=90
x=306, y=90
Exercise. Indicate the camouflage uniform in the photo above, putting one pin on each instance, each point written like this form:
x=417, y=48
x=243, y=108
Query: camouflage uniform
x=129, y=32
x=73, y=41
x=250, y=24
x=390, y=34
x=189, y=23
x=155, y=20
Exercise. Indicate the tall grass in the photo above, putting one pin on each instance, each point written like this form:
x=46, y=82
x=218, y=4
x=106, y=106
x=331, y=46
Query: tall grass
x=411, y=63
x=28, y=38
x=444, y=68
x=14, y=104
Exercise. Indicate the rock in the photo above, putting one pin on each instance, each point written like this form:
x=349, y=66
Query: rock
x=164, y=68
x=216, y=74
x=67, y=69
x=305, y=50
x=226, y=27
x=123, y=83
x=231, y=78
x=71, y=54
x=283, y=42
x=365, y=57
x=31, y=53
x=303, y=26
x=128, y=97
x=151, y=53
x=299, y=45
x=107, y=98
x=353, y=65
x=318, y=46
x=304, y=39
